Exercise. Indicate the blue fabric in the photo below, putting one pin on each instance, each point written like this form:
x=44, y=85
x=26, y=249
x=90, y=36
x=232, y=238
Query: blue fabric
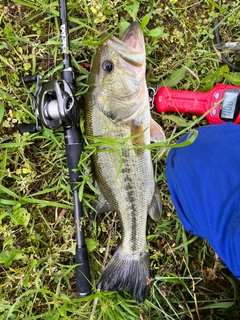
x=204, y=183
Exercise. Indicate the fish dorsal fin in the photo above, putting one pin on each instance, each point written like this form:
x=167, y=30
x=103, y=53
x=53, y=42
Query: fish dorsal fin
x=155, y=207
x=156, y=132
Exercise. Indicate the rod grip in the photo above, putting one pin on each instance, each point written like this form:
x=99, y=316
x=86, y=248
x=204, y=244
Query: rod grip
x=83, y=284
x=73, y=146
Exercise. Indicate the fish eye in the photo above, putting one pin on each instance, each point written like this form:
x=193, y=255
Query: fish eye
x=107, y=66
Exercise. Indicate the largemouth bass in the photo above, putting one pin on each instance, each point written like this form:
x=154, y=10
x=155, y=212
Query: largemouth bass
x=117, y=107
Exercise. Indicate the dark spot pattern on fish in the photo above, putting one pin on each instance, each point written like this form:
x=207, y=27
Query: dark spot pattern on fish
x=128, y=185
x=126, y=170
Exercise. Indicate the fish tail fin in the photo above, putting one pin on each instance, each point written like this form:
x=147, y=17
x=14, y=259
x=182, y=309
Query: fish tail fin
x=128, y=273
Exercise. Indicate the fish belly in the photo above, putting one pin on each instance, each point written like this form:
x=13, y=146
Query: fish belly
x=126, y=182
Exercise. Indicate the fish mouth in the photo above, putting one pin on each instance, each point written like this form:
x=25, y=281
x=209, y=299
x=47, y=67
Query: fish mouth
x=131, y=47
x=133, y=37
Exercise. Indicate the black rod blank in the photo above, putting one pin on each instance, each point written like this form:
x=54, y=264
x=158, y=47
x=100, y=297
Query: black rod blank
x=73, y=145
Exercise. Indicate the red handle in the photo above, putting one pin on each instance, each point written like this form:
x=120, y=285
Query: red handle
x=193, y=102
x=184, y=101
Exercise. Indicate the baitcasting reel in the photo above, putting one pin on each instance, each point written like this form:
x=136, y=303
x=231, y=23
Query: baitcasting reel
x=54, y=105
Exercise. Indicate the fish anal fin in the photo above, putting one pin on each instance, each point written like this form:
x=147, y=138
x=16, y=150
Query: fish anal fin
x=126, y=273
x=156, y=132
x=103, y=205
x=155, y=207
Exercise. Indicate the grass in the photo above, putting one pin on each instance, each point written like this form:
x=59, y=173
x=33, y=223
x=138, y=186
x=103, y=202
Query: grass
x=37, y=279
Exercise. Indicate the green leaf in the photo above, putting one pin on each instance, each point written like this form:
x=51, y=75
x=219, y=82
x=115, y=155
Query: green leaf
x=8, y=202
x=32, y=265
x=26, y=3
x=91, y=186
x=190, y=139
x=7, y=257
x=157, y=33
x=14, y=144
x=40, y=202
x=218, y=305
x=7, y=241
x=123, y=25
x=2, y=216
x=175, y=77
x=91, y=244
x=3, y=164
x=224, y=68
x=27, y=66
x=49, y=134
x=145, y=21
x=178, y=120
x=1, y=111
x=21, y=217
x=81, y=190
x=9, y=192
x=220, y=8
x=133, y=10
x=234, y=79
x=9, y=29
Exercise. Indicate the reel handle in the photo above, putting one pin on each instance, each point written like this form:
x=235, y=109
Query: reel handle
x=29, y=79
x=28, y=127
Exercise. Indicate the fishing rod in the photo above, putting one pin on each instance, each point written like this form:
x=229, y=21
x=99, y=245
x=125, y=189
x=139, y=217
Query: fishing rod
x=55, y=105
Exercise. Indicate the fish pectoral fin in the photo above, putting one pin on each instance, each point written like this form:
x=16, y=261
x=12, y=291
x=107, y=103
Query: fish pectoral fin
x=103, y=205
x=156, y=132
x=155, y=208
